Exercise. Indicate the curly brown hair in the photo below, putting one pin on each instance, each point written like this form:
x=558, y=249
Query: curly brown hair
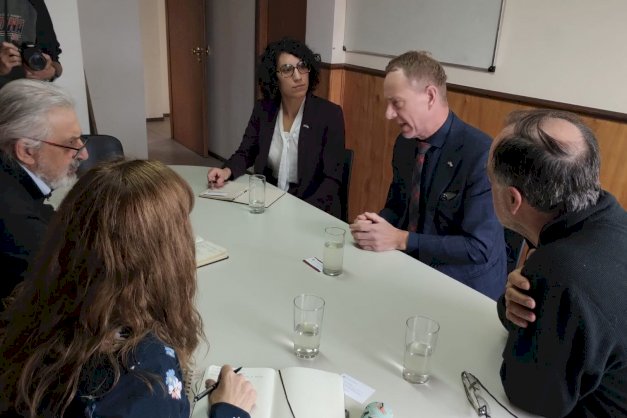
x=117, y=264
x=267, y=68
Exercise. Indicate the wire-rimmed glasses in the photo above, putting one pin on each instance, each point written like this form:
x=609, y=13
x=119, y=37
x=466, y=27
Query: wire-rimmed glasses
x=84, y=139
x=473, y=386
x=287, y=70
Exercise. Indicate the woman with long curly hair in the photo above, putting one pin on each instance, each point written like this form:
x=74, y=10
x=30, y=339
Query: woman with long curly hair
x=105, y=322
x=294, y=138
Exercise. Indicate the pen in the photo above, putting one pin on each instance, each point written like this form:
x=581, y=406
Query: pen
x=211, y=388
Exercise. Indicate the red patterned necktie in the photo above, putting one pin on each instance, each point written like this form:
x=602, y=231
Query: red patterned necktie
x=414, y=202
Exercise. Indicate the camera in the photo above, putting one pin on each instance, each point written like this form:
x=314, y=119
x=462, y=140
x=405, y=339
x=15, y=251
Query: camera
x=32, y=56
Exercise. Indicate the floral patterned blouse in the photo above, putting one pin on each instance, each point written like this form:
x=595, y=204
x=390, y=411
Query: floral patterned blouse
x=131, y=396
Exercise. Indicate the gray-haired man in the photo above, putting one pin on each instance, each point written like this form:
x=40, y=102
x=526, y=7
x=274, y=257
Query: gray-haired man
x=572, y=360
x=40, y=149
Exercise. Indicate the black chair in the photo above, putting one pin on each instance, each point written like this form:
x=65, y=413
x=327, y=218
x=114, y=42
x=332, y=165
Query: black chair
x=514, y=244
x=100, y=148
x=346, y=182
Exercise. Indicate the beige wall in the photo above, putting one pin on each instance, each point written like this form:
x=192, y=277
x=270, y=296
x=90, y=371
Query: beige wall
x=560, y=50
x=153, y=37
x=112, y=57
x=64, y=15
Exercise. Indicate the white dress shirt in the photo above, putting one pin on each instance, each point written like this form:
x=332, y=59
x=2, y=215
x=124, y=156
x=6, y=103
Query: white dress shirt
x=45, y=189
x=283, y=155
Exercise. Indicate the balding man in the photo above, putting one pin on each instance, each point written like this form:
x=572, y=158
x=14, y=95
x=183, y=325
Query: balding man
x=40, y=149
x=572, y=360
x=439, y=207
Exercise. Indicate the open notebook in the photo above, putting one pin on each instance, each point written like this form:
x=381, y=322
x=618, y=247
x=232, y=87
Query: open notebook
x=287, y=393
x=238, y=192
x=208, y=252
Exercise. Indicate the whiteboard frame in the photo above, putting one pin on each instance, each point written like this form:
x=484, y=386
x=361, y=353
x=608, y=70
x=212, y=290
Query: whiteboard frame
x=491, y=68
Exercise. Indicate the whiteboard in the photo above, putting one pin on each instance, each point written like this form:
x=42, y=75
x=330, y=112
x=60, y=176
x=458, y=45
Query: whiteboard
x=457, y=32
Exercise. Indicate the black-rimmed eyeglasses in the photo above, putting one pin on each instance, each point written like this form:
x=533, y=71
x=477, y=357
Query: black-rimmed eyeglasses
x=287, y=70
x=84, y=139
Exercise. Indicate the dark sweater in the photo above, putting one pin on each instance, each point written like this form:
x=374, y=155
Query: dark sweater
x=34, y=26
x=572, y=361
x=24, y=219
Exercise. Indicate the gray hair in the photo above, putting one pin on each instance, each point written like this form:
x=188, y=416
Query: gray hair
x=550, y=174
x=24, y=108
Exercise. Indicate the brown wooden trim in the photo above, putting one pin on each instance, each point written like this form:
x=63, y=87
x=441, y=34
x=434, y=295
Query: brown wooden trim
x=155, y=119
x=364, y=70
x=513, y=98
x=328, y=66
x=535, y=102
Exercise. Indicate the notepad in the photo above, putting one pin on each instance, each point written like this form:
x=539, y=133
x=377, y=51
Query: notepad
x=311, y=393
x=238, y=193
x=230, y=191
x=208, y=252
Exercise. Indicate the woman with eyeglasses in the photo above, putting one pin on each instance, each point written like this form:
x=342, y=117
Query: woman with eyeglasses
x=105, y=323
x=293, y=137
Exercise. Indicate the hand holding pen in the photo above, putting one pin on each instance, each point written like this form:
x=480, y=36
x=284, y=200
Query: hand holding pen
x=230, y=388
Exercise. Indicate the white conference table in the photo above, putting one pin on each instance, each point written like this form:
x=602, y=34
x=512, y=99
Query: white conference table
x=246, y=307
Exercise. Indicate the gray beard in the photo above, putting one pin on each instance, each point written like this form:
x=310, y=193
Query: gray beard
x=65, y=180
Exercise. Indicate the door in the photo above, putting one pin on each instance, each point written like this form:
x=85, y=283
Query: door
x=280, y=18
x=187, y=61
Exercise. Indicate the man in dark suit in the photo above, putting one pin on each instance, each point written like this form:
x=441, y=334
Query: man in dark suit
x=439, y=206
x=40, y=150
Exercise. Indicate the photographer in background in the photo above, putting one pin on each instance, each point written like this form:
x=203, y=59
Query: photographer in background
x=29, y=46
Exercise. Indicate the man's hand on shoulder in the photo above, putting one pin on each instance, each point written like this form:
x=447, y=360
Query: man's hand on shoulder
x=372, y=232
x=518, y=306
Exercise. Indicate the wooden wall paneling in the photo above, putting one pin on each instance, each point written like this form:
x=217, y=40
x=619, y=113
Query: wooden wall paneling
x=372, y=138
x=481, y=112
x=489, y=114
x=336, y=86
x=612, y=137
x=322, y=90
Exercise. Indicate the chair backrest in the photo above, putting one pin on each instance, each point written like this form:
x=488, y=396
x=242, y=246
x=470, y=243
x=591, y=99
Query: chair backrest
x=514, y=244
x=346, y=182
x=100, y=148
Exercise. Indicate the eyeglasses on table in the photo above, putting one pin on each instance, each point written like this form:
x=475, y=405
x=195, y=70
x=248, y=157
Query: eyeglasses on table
x=473, y=388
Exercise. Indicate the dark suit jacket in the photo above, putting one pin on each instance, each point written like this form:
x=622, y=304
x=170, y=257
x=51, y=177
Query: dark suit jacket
x=320, y=150
x=461, y=236
x=24, y=219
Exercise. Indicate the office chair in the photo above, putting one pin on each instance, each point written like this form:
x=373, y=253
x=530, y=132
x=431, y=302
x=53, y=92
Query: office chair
x=346, y=180
x=514, y=245
x=100, y=148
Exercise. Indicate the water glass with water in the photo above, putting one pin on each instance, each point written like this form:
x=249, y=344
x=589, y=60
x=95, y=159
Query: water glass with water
x=257, y=193
x=308, y=314
x=421, y=335
x=333, y=256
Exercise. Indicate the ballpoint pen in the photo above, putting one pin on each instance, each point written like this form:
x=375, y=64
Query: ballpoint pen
x=211, y=388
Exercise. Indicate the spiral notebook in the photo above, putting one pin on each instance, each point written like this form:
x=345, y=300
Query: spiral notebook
x=237, y=192
x=287, y=393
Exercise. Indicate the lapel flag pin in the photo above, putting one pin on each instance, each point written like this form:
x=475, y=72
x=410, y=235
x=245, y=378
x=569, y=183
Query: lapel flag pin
x=450, y=163
x=305, y=126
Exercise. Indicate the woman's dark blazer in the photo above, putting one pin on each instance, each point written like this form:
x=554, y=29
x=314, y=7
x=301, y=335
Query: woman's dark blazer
x=320, y=151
